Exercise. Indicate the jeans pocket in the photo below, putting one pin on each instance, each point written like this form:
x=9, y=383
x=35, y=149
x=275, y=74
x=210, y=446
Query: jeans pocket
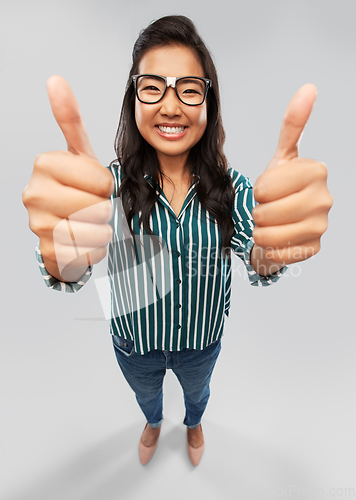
x=123, y=346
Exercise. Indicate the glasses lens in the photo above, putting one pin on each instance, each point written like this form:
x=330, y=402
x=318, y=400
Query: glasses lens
x=150, y=88
x=191, y=90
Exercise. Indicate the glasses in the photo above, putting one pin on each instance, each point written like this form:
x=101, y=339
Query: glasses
x=190, y=90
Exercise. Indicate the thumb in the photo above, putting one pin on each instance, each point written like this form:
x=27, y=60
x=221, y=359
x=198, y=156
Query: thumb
x=67, y=113
x=294, y=121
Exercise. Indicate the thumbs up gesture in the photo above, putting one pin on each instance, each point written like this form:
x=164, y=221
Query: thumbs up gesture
x=68, y=195
x=292, y=194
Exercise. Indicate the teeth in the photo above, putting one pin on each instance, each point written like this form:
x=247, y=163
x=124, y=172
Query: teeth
x=171, y=130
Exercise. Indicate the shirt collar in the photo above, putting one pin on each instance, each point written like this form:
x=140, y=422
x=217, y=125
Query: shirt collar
x=149, y=176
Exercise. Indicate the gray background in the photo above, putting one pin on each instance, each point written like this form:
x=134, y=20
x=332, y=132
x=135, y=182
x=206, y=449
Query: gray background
x=282, y=408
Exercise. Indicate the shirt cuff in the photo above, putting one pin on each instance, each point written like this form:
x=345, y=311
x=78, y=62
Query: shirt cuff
x=255, y=278
x=61, y=286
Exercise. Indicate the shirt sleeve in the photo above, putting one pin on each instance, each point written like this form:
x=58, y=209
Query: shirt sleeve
x=242, y=242
x=61, y=286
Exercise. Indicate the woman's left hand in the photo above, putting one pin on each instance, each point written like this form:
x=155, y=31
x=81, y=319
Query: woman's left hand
x=292, y=193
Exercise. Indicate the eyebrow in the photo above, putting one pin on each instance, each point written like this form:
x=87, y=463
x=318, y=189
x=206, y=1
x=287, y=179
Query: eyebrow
x=150, y=77
x=186, y=80
x=189, y=80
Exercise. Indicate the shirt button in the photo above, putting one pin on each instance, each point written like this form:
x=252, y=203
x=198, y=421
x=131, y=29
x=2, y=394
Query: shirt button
x=179, y=306
x=178, y=223
x=179, y=327
x=178, y=254
x=179, y=281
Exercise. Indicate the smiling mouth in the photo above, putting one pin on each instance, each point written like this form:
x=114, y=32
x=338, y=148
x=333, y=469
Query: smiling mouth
x=171, y=130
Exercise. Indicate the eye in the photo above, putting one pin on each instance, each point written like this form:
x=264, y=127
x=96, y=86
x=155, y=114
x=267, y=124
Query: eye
x=191, y=87
x=191, y=91
x=150, y=87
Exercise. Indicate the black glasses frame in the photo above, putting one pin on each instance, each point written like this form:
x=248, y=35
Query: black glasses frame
x=172, y=83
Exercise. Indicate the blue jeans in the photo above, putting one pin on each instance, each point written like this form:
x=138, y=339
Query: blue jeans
x=145, y=374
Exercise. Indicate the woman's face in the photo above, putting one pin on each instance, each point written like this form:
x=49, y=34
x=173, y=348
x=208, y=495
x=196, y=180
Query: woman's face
x=170, y=111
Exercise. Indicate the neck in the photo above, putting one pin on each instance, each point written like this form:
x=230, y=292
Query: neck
x=175, y=168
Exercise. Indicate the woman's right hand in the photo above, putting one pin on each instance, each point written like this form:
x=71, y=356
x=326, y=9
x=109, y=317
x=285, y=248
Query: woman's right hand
x=68, y=195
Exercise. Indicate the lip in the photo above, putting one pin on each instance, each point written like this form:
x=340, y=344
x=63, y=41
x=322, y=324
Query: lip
x=171, y=136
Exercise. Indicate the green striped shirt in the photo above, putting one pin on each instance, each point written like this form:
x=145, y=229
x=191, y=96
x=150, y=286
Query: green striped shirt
x=178, y=297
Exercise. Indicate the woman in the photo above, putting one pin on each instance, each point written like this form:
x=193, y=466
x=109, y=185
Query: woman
x=177, y=189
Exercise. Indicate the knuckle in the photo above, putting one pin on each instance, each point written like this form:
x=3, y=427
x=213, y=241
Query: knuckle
x=30, y=198
x=108, y=232
x=314, y=249
x=326, y=202
x=319, y=227
x=103, y=211
x=45, y=162
x=317, y=247
x=320, y=170
x=259, y=237
x=38, y=226
x=323, y=226
x=107, y=210
x=26, y=196
x=98, y=254
x=41, y=224
x=35, y=225
x=329, y=202
x=259, y=190
x=41, y=161
x=323, y=202
x=29, y=194
x=105, y=183
x=259, y=215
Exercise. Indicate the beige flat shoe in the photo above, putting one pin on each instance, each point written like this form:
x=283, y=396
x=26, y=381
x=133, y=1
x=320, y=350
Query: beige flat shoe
x=194, y=454
x=146, y=452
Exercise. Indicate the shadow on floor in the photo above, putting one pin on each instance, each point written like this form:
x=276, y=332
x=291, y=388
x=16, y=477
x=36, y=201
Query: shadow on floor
x=233, y=467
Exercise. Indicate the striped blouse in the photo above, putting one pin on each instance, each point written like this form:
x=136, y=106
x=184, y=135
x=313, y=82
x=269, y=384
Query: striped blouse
x=176, y=295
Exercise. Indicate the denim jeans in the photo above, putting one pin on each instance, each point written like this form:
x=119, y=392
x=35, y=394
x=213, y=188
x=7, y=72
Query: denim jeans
x=145, y=373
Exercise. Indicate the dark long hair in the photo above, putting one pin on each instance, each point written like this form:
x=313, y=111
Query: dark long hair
x=206, y=159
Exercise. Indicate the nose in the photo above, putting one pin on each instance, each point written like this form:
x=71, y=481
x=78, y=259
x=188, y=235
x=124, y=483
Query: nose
x=170, y=104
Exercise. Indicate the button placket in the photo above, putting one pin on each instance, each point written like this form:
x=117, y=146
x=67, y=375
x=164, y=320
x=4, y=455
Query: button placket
x=178, y=281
